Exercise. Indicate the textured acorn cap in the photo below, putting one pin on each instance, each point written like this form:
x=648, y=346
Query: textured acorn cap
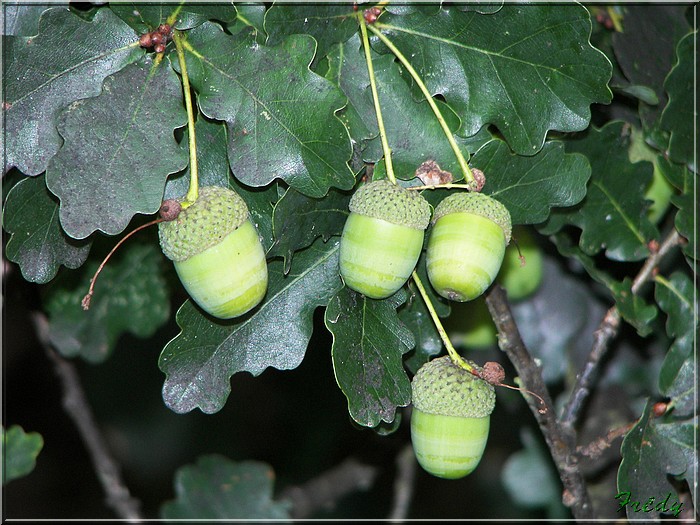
x=477, y=204
x=382, y=199
x=216, y=213
x=443, y=388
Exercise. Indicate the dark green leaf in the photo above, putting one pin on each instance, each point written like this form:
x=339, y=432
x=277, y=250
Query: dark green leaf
x=130, y=295
x=527, y=68
x=119, y=150
x=648, y=457
x=299, y=220
x=19, y=452
x=22, y=20
x=214, y=171
x=633, y=308
x=675, y=296
x=66, y=61
x=217, y=488
x=612, y=217
x=147, y=17
x=681, y=391
x=684, y=436
x=645, y=48
x=676, y=119
x=280, y=115
x=200, y=361
x=37, y=242
x=250, y=15
x=369, y=341
x=530, y=186
x=328, y=24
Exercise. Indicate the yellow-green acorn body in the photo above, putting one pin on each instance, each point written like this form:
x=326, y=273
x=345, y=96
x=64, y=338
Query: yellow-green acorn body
x=450, y=418
x=217, y=253
x=467, y=243
x=382, y=238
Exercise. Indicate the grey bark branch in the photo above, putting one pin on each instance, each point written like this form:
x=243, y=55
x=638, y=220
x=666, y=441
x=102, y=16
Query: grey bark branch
x=77, y=407
x=561, y=446
x=606, y=332
x=404, y=483
x=324, y=491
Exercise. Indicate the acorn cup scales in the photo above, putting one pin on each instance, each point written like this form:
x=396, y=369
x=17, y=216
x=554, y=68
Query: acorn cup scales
x=450, y=418
x=217, y=253
x=382, y=238
x=467, y=243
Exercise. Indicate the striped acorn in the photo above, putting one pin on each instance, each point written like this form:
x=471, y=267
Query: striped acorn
x=450, y=418
x=217, y=253
x=382, y=238
x=467, y=244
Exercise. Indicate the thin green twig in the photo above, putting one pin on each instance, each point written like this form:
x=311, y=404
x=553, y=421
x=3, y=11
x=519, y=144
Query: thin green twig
x=193, y=191
x=377, y=108
x=467, y=172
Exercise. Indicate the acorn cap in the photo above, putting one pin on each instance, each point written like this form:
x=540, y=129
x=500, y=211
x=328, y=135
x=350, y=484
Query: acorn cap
x=477, y=204
x=382, y=199
x=443, y=388
x=217, y=212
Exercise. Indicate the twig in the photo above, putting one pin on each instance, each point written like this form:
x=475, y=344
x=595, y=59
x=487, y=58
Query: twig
x=560, y=445
x=325, y=490
x=77, y=407
x=595, y=448
x=404, y=484
x=607, y=330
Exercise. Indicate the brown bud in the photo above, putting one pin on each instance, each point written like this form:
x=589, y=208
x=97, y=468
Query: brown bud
x=157, y=38
x=165, y=30
x=170, y=209
x=159, y=48
x=659, y=409
x=145, y=40
x=493, y=373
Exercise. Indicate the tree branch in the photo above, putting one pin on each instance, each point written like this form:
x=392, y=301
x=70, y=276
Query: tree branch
x=561, y=446
x=325, y=490
x=607, y=331
x=77, y=407
x=404, y=483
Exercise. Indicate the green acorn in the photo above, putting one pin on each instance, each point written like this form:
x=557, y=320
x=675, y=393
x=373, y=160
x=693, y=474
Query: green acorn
x=467, y=244
x=382, y=238
x=450, y=418
x=217, y=253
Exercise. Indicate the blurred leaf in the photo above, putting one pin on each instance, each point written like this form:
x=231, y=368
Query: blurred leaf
x=37, y=242
x=612, y=217
x=212, y=161
x=645, y=49
x=648, y=457
x=328, y=24
x=22, y=20
x=530, y=186
x=119, y=150
x=280, y=115
x=147, y=17
x=19, y=452
x=541, y=487
x=66, y=61
x=633, y=308
x=369, y=341
x=299, y=220
x=200, y=360
x=675, y=296
x=130, y=295
x=217, y=488
x=526, y=69
x=675, y=118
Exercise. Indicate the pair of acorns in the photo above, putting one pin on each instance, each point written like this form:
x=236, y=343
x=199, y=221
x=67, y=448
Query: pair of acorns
x=220, y=260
